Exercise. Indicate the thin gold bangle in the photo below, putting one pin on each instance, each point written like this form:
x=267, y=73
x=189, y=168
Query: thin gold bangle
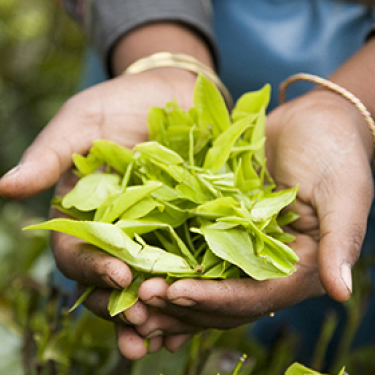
x=181, y=61
x=333, y=87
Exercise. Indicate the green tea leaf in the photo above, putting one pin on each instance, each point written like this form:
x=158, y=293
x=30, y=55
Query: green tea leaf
x=133, y=227
x=156, y=123
x=72, y=212
x=112, y=154
x=160, y=153
x=126, y=200
x=158, y=261
x=142, y=208
x=217, y=208
x=189, y=187
x=103, y=235
x=219, y=153
x=258, y=135
x=251, y=103
x=246, y=178
x=287, y=218
x=91, y=191
x=172, y=215
x=114, y=241
x=275, y=252
x=272, y=203
x=298, y=369
x=210, y=106
x=88, y=164
x=122, y=299
x=235, y=246
x=82, y=298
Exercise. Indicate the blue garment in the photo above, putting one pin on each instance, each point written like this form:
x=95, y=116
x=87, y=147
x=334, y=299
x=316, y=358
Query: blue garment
x=265, y=41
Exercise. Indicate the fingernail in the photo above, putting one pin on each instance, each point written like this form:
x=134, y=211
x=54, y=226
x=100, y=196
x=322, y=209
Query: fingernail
x=183, y=302
x=346, y=275
x=156, y=302
x=112, y=283
x=156, y=333
x=123, y=318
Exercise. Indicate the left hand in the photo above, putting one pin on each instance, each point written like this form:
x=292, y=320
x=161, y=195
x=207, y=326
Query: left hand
x=321, y=142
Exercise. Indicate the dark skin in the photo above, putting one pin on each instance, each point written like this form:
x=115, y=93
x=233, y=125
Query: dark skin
x=319, y=141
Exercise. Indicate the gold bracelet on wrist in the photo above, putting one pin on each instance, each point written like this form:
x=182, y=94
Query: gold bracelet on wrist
x=181, y=61
x=333, y=87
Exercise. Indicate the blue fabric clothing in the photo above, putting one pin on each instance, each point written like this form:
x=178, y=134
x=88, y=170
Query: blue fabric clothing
x=263, y=41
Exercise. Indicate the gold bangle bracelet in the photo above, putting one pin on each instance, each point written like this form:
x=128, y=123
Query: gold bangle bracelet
x=333, y=87
x=181, y=61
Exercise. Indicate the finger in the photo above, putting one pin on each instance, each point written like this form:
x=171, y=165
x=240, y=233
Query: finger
x=173, y=343
x=160, y=324
x=72, y=130
x=156, y=292
x=98, y=300
x=235, y=301
x=137, y=314
x=131, y=345
x=155, y=344
x=88, y=265
x=343, y=206
x=153, y=292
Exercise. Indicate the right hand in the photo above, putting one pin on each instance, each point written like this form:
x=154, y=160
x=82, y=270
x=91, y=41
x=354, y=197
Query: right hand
x=115, y=110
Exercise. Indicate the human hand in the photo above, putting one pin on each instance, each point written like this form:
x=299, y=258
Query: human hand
x=114, y=110
x=321, y=142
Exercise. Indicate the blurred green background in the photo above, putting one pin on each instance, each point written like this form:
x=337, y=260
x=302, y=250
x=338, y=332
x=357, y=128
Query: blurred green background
x=40, y=62
x=41, y=54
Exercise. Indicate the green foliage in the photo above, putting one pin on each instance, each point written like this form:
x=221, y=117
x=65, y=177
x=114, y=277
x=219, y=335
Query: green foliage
x=41, y=53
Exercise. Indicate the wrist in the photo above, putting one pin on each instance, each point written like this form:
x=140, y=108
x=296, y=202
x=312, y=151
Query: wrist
x=158, y=37
x=327, y=86
x=328, y=101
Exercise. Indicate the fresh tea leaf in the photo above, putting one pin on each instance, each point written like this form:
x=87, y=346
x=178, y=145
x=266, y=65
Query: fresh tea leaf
x=235, y=246
x=112, y=154
x=122, y=299
x=271, y=204
x=210, y=106
x=298, y=369
x=114, y=241
x=160, y=153
x=126, y=200
x=91, y=191
x=252, y=103
x=219, y=153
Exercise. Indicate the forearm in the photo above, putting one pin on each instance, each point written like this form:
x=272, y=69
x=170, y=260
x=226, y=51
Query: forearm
x=158, y=37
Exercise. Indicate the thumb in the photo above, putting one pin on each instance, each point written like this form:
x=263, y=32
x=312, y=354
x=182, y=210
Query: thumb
x=50, y=154
x=343, y=210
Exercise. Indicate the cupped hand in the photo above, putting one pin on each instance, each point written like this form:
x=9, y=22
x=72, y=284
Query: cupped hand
x=321, y=142
x=116, y=110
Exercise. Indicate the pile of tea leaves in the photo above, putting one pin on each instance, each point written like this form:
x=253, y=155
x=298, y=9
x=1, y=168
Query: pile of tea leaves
x=195, y=201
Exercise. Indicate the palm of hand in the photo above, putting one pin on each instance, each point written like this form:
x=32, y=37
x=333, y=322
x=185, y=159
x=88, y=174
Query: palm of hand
x=320, y=143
